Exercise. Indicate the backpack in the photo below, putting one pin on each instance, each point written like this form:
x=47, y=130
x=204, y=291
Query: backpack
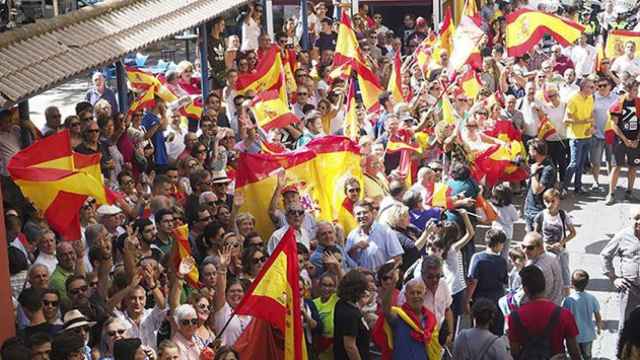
x=539, y=219
x=538, y=347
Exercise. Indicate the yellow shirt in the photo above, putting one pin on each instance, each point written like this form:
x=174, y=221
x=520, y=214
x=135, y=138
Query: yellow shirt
x=580, y=108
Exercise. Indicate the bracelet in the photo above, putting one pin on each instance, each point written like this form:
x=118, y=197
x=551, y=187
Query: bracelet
x=153, y=288
x=221, y=272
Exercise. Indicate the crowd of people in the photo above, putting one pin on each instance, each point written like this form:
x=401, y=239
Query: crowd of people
x=402, y=282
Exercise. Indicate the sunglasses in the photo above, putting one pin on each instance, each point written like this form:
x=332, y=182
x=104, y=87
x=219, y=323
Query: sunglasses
x=463, y=100
x=482, y=113
x=234, y=244
x=74, y=124
x=77, y=291
x=204, y=307
x=387, y=278
x=50, y=303
x=114, y=332
x=302, y=94
x=528, y=247
x=259, y=260
x=295, y=212
x=186, y=322
x=352, y=190
x=603, y=85
x=433, y=276
x=80, y=329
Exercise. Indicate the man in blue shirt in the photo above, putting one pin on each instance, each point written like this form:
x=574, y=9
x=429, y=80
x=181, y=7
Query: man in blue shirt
x=371, y=244
x=155, y=122
x=101, y=91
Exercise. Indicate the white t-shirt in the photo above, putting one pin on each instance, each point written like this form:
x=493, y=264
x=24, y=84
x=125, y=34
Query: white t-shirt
x=623, y=63
x=584, y=58
x=507, y=215
x=531, y=121
x=556, y=118
x=250, y=34
x=236, y=326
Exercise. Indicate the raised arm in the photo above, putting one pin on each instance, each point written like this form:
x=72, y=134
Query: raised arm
x=221, y=284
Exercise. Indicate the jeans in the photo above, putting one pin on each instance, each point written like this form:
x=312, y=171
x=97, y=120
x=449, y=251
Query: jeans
x=585, y=350
x=579, y=149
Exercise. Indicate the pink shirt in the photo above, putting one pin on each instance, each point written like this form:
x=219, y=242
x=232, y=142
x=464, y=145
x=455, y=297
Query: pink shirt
x=189, y=349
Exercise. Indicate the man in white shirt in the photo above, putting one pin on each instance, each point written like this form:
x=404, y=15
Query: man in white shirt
x=530, y=106
x=627, y=62
x=568, y=87
x=583, y=56
x=557, y=144
x=47, y=251
x=294, y=215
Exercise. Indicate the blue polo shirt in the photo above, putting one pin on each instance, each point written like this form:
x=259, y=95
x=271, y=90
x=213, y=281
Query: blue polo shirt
x=383, y=245
x=160, y=156
x=404, y=347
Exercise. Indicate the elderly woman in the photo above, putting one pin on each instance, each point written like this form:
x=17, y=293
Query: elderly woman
x=74, y=125
x=228, y=296
x=397, y=217
x=113, y=330
x=186, y=321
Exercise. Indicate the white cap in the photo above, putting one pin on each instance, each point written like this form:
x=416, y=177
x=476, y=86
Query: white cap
x=104, y=210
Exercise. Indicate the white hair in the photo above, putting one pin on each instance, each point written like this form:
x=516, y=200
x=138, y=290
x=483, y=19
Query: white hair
x=394, y=214
x=183, y=311
x=413, y=282
x=204, y=197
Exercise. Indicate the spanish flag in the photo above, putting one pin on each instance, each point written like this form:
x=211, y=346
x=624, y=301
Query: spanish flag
x=504, y=130
x=447, y=111
x=141, y=80
x=370, y=88
x=395, y=81
x=271, y=111
x=143, y=101
x=498, y=164
x=181, y=237
x=274, y=296
x=320, y=169
x=546, y=129
x=441, y=196
x=266, y=76
x=347, y=47
x=526, y=27
x=398, y=144
x=351, y=124
x=58, y=181
x=445, y=36
x=470, y=84
x=616, y=40
x=271, y=148
x=423, y=53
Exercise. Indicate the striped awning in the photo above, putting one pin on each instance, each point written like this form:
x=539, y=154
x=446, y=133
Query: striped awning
x=40, y=56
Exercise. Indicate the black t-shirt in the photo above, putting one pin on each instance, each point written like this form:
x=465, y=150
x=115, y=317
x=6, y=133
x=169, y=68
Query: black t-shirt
x=215, y=52
x=547, y=177
x=348, y=321
x=327, y=41
x=628, y=120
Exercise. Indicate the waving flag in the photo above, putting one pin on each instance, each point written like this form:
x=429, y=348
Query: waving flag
x=441, y=196
x=48, y=175
x=423, y=53
x=274, y=296
x=445, y=36
x=271, y=111
x=616, y=40
x=266, y=76
x=448, y=115
x=470, y=84
x=526, y=27
x=321, y=169
x=498, y=164
x=370, y=89
x=351, y=124
x=395, y=81
x=347, y=47
x=181, y=236
x=546, y=129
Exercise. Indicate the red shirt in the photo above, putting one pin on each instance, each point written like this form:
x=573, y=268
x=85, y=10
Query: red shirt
x=535, y=316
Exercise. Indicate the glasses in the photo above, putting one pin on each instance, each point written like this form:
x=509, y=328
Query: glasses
x=602, y=85
x=295, y=212
x=302, y=94
x=462, y=100
x=204, y=306
x=187, y=322
x=50, y=303
x=387, y=277
x=330, y=285
x=553, y=95
x=483, y=113
x=114, y=332
x=79, y=290
x=352, y=190
x=528, y=247
x=433, y=276
x=80, y=329
x=234, y=244
x=259, y=260
x=74, y=124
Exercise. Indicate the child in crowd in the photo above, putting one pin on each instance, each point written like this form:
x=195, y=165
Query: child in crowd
x=584, y=307
x=502, y=200
x=517, y=263
x=488, y=274
x=557, y=230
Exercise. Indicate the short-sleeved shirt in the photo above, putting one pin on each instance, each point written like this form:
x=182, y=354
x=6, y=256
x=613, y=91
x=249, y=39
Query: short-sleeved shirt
x=490, y=270
x=383, y=245
x=404, y=346
x=626, y=118
x=533, y=203
x=348, y=321
x=160, y=156
x=583, y=306
x=437, y=302
x=581, y=108
x=326, y=311
x=150, y=323
x=552, y=226
x=535, y=316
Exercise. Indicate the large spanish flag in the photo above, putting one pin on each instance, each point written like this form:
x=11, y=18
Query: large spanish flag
x=370, y=88
x=58, y=181
x=466, y=37
x=266, y=76
x=499, y=163
x=616, y=40
x=526, y=27
x=274, y=296
x=271, y=111
x=347, y=47
x=445, y=37
x=320, y=170
x=395, y=81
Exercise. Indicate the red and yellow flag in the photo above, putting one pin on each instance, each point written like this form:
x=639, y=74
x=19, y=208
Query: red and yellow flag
x=271, y=111
x=445, y=36
x=470, y=84
x=274, y=296
x=351, y=124
x=498, y=164
x=271, y=148
x=466, y=37
x=58, y=181
x=526, y=27
x=266, y=76
x=616, y=40
x=347, y=47
x=181, y=236
x=546, y=129
x=395, y=81
x=370, y=89
x=321, y=169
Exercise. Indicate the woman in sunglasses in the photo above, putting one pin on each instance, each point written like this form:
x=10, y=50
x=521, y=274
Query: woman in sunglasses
x=113, y=329
x=186, y=325
x=253, y=258
x=204, y=334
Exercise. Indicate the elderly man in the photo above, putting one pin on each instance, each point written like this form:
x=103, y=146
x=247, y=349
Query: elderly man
x=70, y=262
x=290, y=195
x=294, y=216
x=111, y=217
x=536, y=255
x=371, y=244
x=324, y=257
x=47, y=251
x=625, y=245
x=101, y=91
x=53, y=120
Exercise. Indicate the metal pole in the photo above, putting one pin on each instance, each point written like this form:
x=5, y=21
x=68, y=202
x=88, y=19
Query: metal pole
x=8, y=329
x=204, y=64
x=121, y=85
x=268, y=8
x=437, y=14
x=305, y=26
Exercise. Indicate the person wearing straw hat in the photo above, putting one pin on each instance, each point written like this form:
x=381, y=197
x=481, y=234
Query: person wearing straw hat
x=76, y=324
x=220, y=183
